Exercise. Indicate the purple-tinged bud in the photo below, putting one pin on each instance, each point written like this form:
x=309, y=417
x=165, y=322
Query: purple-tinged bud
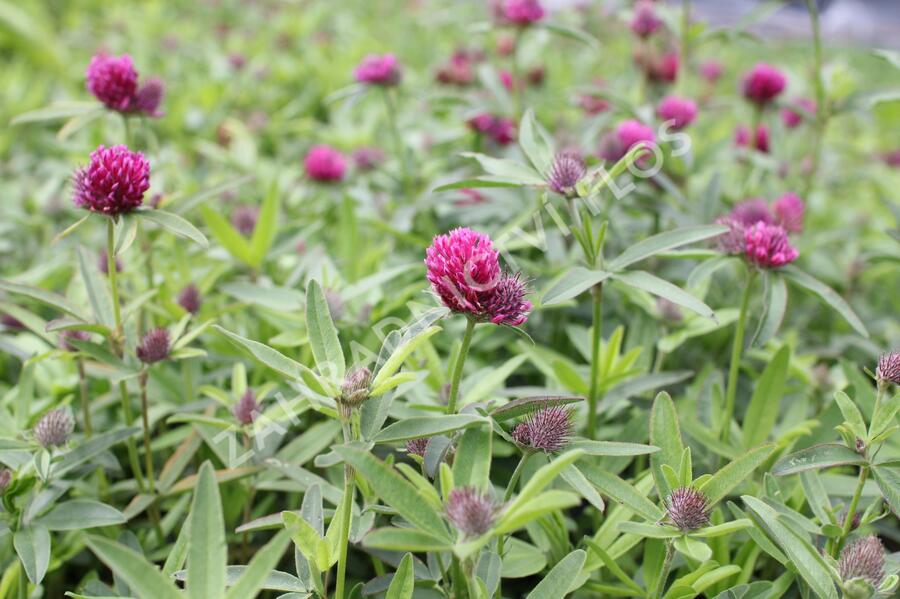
x=246, y=409
x=711, y=70
x=863, y=558
x=888, y=368
x=506, y=303
x=54, y=428
x=355, y=388
x=148, y=97
x=470, y=511
x=687, y=508
x=669, y=310
x=567, y=170
x=5, y=479
x=68, y=335
x=243, y=218
x=367, y=158
x=793, y=118
x=113, y=183
x=645, y=22
x=103, y=263
x=854, y=524
x=760, y=141
x=547, y=429
x=112, y=80
x=190, y=298
x=417, y=446
x=154, y=347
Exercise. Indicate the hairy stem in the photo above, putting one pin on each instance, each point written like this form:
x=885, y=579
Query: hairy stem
x=851, y=511
x=596, y=337
x=145, y=417
x=344, y=539
x=736, y=351
x=458, y=366
x=664, y=571
x=85, y=407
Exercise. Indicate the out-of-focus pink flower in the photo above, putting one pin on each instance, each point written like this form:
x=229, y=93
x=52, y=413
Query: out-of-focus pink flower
x=113, y=183
x=663, y=69
x=379, y=70
x=523, y=12
x=768, y=246
x=500, y=129
x=68, y=335
x=112, y=80
x=148, y=97
x=645, y=22
x=792, y=118
x=325, y=164
x=471, y=197
x=892, y=158
x=711, y=70
x=506, y=79
x=246, y=409
x=458, y=70
x=752, y=211
x=631, y=133
x=789, y=209
x=243, y=218
x=763, y=83
x=154, y=346
x=190, y=299
x=733, y=241
x=506, y=45
x=681, y=111
x=760, y=141
x=593, y=103
x=535, y=76
x=237, y=61
x=367, y=158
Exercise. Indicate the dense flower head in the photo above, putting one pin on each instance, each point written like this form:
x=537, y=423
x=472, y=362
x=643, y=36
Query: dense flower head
x=631, y=132
x=103, y=262
x=54, y=428
x=154, y=346
x=148, y=97
x=888, y=368
x=355, y=387
x=752, y=211
x=112, y=80
x=417, y=446
x=547, y=429
x=500, y=129
x=863, y=558
x=378, y=69
x=114, y=182
x=523, y=12
x=246, y=409
x=763, y=83
x=506, y=303
x=645, y=21
x=463, y=269
x=663, y=69
x=789, y=210
x=324, y=163
x=190, y=299
x=711, y=70
x=687, y=508
x=367, y=158
x=682, y=111
x=768, y=246
x=458, y=70
x=68, y=335
x=793, y=118
x=567, y=170
x=470, y=511
x=243, y=218
x=733, y=240
x=760, y=141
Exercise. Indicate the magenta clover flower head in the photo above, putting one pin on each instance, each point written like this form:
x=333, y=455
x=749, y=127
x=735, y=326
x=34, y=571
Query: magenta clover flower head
x=523, y=12
x=379, y=70
x=355, y=387
x=103, y=262
x=112, y=80
x=470, y=511
x=645, y=22
x=547, y=429
x=630, y=133
x=768, y=246
x=711, y=70
x=417, y=446
x=682, y=111
x=752, y=211
x=763, y=83
x=888, y=368
x=154, y=346
x=567, y=170
x=793, y=118
x=325, y=164
x=687, y=508
x=54, y=428
x=789, y=210
x=148, y=97
x=246, y=409
x=243, y=218
x=113, y=183
x=190, y=299
x=506, y=304
x=68, y=335
x=863, y=558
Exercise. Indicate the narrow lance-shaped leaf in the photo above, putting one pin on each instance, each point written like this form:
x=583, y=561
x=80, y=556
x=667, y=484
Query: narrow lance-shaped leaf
x=323, y=336
x=664, y=242
x=766, y=401
x=829, y=295
x=207, y=550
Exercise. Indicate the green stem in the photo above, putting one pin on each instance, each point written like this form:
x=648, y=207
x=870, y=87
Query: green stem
x=664, y=571
x=128, y=134
x=129, y=443
x=685, y=43
x=518, y=86
x=145, y=417
x=458, y=366
x=391, y=109
x=85, y=408
x=507, y=495
x=346, y=516
x=23, y=583
x=822, y=108
x=113, y=286
x=736, y=350
x=851, y=511
x=596, y=337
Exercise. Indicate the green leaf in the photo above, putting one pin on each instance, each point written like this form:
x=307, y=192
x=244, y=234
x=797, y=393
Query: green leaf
x=825, y=455
x=478, y=183
x=622, y=491
x=573, y=476
x=612, y=448
x=174, y=224
x=323, y=336
x=403, y=583
x=652, y=284
x=722, y=529
x=309, y=541
x=144, y=578
x=765, y=404
x=543, y=477
x=79, y=514
x=231, y=240
x=664, y=242
x=207, y=549
x=97, y=289
x=395, y=491
x=32, y=543
x=694, y=549
x=649, y=531
x=665, y=434
x=507, y=170
x=888, y=480
x=266, y=226
x=426, y=426
x=472, y=461
x=400, y=354
x=90, y=449
x=56, y=112
x=526, y=405
x=488, y=381
x=253, y=578
x=777, y=305
x=53, y=300
x=827, y=294
x=572, y=33
x=535, y=144
x=805, y=558
x=732, y=474
x=559, y=580
x=572, y=284
x=851, y=414
x=404, y=539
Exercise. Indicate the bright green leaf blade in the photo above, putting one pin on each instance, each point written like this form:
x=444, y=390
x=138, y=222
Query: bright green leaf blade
x=665, y=434
x=825, y=455
x=664, y=242
x=207, y=550
x=426, y=426
x=32, y=544
x=765, y=404
x=535, y=143
x=253, y=578
x=732, y=474
x=572, y=284
x=174, y=224
x=660, y=287
x=403, y=582
x=323, y=336
x=79, y=514
x=559, y=580
x=141, y=576
x=828, y=295
x=472, y=461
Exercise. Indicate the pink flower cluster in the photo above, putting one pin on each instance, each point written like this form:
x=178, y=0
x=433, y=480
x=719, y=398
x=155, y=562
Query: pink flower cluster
x=793, y=118
x=760, y=232
x=523, y=12
x=628, y=134
x=379, y=70
x=763, y=83
x=325, y=164
x=500, y=129
x=464, y=271
x=645, y=22
x=114, y=81
x=113, y=183
x=681, y=111
x=760, y=141
x=458, y=70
